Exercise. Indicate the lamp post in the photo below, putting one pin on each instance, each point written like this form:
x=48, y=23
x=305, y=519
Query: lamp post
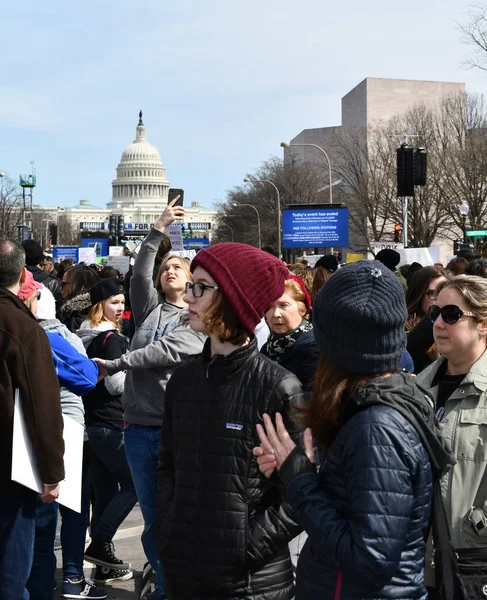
x=250, y=180
x=258, y=220
x=225, y=225
x=464, y=209
x=289, y=145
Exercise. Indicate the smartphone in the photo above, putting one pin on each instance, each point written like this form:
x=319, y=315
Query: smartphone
x=173, y=192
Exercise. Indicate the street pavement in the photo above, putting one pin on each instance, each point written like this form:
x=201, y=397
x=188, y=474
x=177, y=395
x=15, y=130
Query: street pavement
x=127, y=547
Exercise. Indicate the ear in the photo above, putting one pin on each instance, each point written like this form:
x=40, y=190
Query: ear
x=483, y=327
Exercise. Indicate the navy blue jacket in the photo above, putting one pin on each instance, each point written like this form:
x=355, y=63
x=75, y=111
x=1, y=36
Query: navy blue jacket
x=367, y=510
x=301, y=359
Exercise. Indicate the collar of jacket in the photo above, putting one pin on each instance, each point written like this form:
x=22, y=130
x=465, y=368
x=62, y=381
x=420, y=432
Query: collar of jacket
x=224, y=367
x=76, y=304
x=400, y=392
x=477, y=376
x=7, y=297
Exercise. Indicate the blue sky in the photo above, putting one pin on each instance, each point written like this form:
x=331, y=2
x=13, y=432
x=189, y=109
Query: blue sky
x=221, y=83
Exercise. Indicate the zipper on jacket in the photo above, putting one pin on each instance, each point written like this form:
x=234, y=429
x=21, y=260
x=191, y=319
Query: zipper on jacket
x=249, y=581
x=208, y=367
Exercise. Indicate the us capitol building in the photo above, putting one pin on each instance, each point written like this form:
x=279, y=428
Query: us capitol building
x=139, y=194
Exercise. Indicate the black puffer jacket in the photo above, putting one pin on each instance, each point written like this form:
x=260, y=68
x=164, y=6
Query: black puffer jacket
x=52, y=283
x=223, y=530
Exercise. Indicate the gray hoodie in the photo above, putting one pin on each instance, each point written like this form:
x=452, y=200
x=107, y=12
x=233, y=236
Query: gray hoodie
x=162, y=341
x=71, y=404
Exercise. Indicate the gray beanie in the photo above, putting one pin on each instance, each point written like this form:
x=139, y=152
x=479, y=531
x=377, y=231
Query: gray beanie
x=359, y=317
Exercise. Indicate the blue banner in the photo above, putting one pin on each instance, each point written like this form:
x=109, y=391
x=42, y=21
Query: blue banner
x=196, y=243
x=59, y=253
x=315, y=228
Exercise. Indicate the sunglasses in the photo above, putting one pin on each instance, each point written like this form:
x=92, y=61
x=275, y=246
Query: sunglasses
x=449, y=313
x=38, y=296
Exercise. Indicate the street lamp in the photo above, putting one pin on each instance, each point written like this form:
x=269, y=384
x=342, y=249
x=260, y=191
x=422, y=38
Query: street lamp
x=289, y=145
x=250, y=180
x=464, y=209
x=258, y=219
x=225, y=225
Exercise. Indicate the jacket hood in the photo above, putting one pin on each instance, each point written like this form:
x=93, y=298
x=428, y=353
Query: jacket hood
x=79, y=303
x=88, y=333
x=399, y=391
x=51, y=325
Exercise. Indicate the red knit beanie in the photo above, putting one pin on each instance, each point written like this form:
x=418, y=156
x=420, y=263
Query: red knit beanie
x=249, y=279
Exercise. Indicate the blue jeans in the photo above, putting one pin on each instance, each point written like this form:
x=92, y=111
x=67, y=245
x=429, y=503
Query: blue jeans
x=112, y=482
x=73, y=537
x=17, y=526
x=142, y=449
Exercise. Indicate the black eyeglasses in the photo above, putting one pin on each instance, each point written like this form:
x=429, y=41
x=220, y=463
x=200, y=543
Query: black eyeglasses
x=449, y=313
x=198, y=289
x=431, y=294
x=63, y=283
x=38, y=296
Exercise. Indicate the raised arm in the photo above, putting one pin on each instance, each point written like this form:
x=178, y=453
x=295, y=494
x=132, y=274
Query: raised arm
x=143, y=295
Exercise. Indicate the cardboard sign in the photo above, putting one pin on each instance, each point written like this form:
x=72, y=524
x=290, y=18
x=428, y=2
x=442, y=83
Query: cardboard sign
x=121, y=263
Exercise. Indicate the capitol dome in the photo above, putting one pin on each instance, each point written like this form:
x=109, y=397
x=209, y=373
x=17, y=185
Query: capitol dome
x=141, y=176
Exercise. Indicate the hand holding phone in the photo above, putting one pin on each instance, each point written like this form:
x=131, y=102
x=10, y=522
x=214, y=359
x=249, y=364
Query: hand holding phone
x=176, y=193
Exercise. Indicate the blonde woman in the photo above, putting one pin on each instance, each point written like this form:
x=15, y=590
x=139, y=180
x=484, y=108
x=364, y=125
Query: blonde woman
x=110, y=474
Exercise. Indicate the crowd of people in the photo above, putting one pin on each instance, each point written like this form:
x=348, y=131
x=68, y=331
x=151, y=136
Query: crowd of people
x=243, y=403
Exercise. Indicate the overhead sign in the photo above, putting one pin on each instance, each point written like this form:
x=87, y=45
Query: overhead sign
x=476, y=233
x=315, y=227
x=196, y=243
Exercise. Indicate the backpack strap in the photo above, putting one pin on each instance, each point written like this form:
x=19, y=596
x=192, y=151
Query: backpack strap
x=104, y=343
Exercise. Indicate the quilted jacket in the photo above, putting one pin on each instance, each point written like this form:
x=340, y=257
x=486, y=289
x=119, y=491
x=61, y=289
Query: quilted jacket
x=223, y=529
x=367, y=510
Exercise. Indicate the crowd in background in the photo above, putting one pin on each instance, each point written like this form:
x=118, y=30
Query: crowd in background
x=245, y=404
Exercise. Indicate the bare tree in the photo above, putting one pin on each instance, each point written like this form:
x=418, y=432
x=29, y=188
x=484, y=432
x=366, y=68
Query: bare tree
x=298, y=183
x=474, y=34
x=68, y=234
x=10, y=207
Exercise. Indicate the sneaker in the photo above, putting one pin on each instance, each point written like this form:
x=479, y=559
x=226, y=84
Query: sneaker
x=104, y=575
x=155, y=595
x=102, y=553
x=82, y=589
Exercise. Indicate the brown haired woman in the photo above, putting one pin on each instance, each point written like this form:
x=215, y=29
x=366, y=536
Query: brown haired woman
x=110, y=474
x=421, y=294
x=224, y=530
x=76, y=284
x=366, y=511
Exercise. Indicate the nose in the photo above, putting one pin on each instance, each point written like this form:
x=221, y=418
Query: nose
x=439, y=323
x=188, y=297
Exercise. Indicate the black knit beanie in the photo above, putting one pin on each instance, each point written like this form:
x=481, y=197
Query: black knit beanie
x=359, y=317
x=33, y=252
x=104, y=289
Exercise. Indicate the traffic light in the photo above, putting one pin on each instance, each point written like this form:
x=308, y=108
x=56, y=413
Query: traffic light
x=420, y=165
x=397, y=233
x=112, y=230
x=120, y=228
x=405, y=171
x=53, y=234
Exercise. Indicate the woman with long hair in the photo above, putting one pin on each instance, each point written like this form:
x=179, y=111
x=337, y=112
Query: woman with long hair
x=162, y=341
x=421, y=294
x=223, y=530
x=110, y=474
x=366, y=511
x=458, y=383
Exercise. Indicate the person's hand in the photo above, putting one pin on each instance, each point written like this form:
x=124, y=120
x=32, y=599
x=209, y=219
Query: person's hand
x=102, y=370
x=50, y=493
x=171, y=213
x=277, y=445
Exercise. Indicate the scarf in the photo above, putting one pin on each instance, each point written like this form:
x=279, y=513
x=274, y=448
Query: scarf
x=279, y=343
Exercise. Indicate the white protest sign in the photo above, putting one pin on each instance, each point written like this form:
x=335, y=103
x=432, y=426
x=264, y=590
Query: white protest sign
x=175, y=234
x=25, y=468
x=115, y=251
x=121, y=263
x=87, y=255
